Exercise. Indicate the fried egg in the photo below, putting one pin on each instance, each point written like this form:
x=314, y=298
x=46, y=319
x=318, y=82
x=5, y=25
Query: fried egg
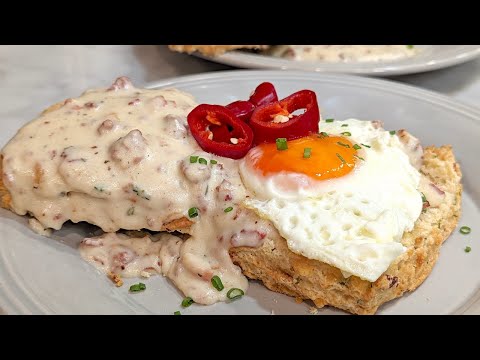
x=346, y=201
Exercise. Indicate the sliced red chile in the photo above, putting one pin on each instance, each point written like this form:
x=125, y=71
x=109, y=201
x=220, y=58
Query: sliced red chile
x=242, y=109
x=277, y=120
x=218, y=130
x=264, y=93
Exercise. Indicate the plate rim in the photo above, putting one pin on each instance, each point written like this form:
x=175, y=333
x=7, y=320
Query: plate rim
x=393, y=86
x=256, y=61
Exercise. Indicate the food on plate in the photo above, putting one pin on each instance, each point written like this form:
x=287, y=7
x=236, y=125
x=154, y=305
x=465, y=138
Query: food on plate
x=213, y=49
x=344, y=53
x=344, y=213
x=321, y=53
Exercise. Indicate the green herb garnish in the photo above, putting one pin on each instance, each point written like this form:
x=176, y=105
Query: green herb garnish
x=217, y=283
x=410, y=46
x=346, y=133
x=192, y=212
x=324, y=134
x=367, y=146
x=344, y=125
x=193, y=159
x=424, y=198
x=357, y=147
x=329, y=120
x=235, y=293
x=392, y=132
x=187, y=302
x=341, y=158
x=465, y=230
x=213, y=162
x=468, y=249
x=307, y=152
x=281, y=144
x=202, y=161
x=342, y=144
x=228, y=209
x=177, y=313
x=138, y=287
x=140, y=192
x=359, y=157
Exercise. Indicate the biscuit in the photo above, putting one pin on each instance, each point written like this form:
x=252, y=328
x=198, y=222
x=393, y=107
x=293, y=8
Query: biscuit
x=286, y=272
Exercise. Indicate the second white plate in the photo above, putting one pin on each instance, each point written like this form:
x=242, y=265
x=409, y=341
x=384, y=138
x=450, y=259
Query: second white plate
x=430, y=57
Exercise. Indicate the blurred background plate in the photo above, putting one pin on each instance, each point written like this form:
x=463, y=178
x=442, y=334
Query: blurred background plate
x=40, y=275
x=430, y=57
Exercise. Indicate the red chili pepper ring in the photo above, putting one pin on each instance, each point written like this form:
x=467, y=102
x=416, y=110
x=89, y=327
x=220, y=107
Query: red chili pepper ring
x=276, y=120
x=218, y=131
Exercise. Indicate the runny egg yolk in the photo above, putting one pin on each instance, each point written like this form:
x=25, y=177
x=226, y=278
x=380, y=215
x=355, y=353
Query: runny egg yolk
x=330, y=157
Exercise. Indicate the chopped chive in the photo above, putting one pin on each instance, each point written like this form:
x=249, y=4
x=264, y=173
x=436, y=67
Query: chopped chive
x=187, y=302
x=329, y=120
x=346, y=133
x=235, y=293
x=468, y=249
x=138, y=287
x=359, y=157
x=357, y=147
x=410, y=46
x=202, y=161
x=217, y=283
x=228, y=209
x=140, y=192
x=307, y=152
x=342, y=144
x=193, y=159
x=367, y=146
x=465, y=230
x=344, y=125
x=392, y=132
x=192, y=212
x=424, y=198
x=281, y=144
x=131, y=211
x=341, y=158
x=213, y=162
x=324, y=134
x=177, y=313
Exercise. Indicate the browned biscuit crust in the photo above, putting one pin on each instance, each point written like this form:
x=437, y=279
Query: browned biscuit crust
x=5, y=197
x=212, y=50
x=286, y=272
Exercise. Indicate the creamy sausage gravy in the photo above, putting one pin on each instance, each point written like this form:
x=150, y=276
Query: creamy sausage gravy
x=343, y=53
x=119, y=158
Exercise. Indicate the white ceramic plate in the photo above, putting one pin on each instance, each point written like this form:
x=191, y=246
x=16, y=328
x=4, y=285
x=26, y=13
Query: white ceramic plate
x=431, y=57
x=41, y=275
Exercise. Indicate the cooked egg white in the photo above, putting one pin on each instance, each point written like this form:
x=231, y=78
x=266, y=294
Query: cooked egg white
x=354, y=222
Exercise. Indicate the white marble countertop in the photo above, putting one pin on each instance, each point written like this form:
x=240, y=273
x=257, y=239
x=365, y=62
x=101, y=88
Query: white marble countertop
x=33, y=77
